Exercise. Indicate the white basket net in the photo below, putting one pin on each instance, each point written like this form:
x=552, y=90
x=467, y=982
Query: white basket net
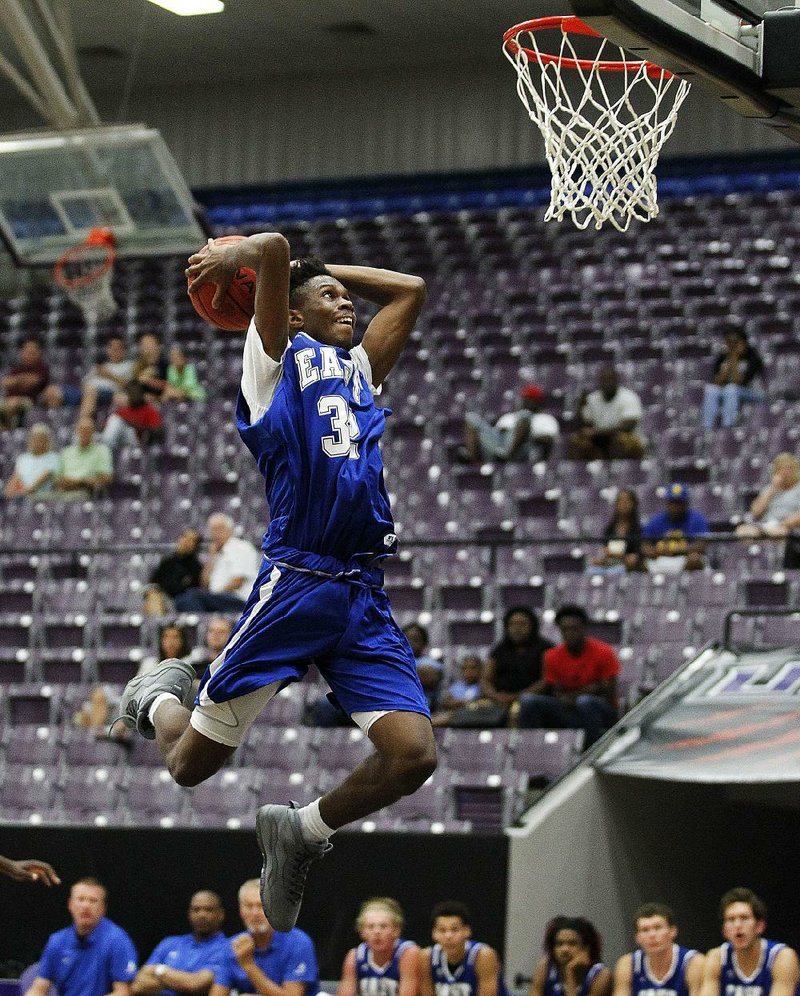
x=84, y=274
x=603, y=129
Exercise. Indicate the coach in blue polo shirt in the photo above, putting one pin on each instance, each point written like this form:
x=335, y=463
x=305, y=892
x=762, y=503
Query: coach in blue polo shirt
x=188, y=963
x=93, y=957
x=266, y=962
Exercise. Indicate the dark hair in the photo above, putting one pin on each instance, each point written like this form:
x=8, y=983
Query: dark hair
x=525, y=611
x=305, y=269
x=653, y=909
x=742, y=895
x=95, y=883
x=572, y=612
x=419, y=628
x=185, y=648
x=635, y=520
x=452, y=907
x=585, y=929
x=35, y=340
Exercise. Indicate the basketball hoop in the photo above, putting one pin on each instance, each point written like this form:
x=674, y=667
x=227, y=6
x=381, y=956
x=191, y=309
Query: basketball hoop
x=604, y=120
x=84, y=274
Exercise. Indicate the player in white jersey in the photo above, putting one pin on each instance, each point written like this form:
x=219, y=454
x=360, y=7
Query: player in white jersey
x=747, y=964
x=383, y=964
x=659, y=966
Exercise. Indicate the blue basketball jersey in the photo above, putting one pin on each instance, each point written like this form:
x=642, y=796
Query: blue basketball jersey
x=379, y=981
x=317, y=447
x=461, y=980
x=553, y=986
x=643, y=983
x=731, y=980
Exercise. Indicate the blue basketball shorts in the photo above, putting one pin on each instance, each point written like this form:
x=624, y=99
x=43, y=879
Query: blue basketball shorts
x=294, y=618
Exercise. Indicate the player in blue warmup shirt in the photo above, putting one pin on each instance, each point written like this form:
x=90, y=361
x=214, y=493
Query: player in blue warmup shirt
x=658, y=966
x=93, y=957
x=383, y=964
x=456, y=965
x=572, y=963
x=260, y=960
x=188, y=963
x=307, y=411
x=747, y=964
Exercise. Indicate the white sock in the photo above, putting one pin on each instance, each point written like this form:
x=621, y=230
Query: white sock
x=163, y=697
x=315, y=829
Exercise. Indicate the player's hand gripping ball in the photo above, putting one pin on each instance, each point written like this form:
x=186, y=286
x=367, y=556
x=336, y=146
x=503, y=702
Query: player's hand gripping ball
x=239, y=302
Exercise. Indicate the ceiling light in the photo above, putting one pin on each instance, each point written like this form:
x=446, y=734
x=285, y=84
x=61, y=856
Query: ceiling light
x=187, y=8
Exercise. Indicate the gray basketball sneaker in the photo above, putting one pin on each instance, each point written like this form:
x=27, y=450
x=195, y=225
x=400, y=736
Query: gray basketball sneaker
x=172, y=676
x=286, y=857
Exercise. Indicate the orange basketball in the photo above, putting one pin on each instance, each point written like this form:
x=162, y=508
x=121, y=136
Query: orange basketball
x=240, y=298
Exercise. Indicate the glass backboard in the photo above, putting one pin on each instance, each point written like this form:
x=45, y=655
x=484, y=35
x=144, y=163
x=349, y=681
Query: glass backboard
x=56, y=186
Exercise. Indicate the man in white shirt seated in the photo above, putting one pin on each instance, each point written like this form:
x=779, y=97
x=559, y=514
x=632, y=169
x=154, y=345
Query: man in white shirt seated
x=515, y=436
x=228, y=574
x=609, y=419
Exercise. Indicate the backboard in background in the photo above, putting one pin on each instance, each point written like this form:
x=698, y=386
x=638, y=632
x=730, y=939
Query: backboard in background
x=746, y=52
x=57, y=186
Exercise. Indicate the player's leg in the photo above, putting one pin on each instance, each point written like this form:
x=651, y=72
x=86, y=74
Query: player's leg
x=404, y=758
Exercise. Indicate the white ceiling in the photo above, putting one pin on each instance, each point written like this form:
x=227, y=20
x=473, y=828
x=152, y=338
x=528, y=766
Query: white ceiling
x=122, y=40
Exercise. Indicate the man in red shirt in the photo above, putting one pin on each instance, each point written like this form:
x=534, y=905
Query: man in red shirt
x=578, y=685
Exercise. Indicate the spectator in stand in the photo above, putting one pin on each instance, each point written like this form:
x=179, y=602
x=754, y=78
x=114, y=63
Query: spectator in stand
x=572, y=962
x=188, y=963
x=609, y=419
x=737, y=373
x=135, y=422
x=429, y=669
x=23, y=384
x=514, y=665
x=228, y=573
x=175, y=574
x=93, y=956
x=182, y=382
x=86, y=465
x=622, y=535
x=674, y=539
x=150, y=367
x=460, y=693
x=172, y=643
x=36, y=470
x=578, y=689
x=776, y=509
x=107, y=378
x=527, y=432
x=218, y=630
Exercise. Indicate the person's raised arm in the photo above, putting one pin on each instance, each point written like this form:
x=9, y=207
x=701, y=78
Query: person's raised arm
x=425, y=973
x=539, y=978
x=623, y=976
x=602, y=983
x=401, y=297
x=268, y=255
x=784, y=973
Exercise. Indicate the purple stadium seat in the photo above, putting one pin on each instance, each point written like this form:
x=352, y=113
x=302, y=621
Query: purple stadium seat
x=27, y=793
x=83, y=749
x=283, y=748
x=32, y=745
x=545, y=753
x=230, y=794
x=476, y=750
x=90, y=795
x=152, y=795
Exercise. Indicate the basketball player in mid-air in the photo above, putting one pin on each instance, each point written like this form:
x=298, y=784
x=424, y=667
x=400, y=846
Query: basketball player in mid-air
x=659, y=966
x=306, y=411
x=747, y=964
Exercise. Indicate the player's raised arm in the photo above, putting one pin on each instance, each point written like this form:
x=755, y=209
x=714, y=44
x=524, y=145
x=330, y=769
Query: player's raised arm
x=487, y=970
x=348, y=986
x=401, y=297
x=426, y=986
x=268, y=255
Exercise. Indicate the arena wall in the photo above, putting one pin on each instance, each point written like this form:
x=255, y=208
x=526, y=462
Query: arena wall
x=450, y=118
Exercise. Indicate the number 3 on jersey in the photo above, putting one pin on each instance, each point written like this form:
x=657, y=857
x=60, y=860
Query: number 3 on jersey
x=344, y=426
